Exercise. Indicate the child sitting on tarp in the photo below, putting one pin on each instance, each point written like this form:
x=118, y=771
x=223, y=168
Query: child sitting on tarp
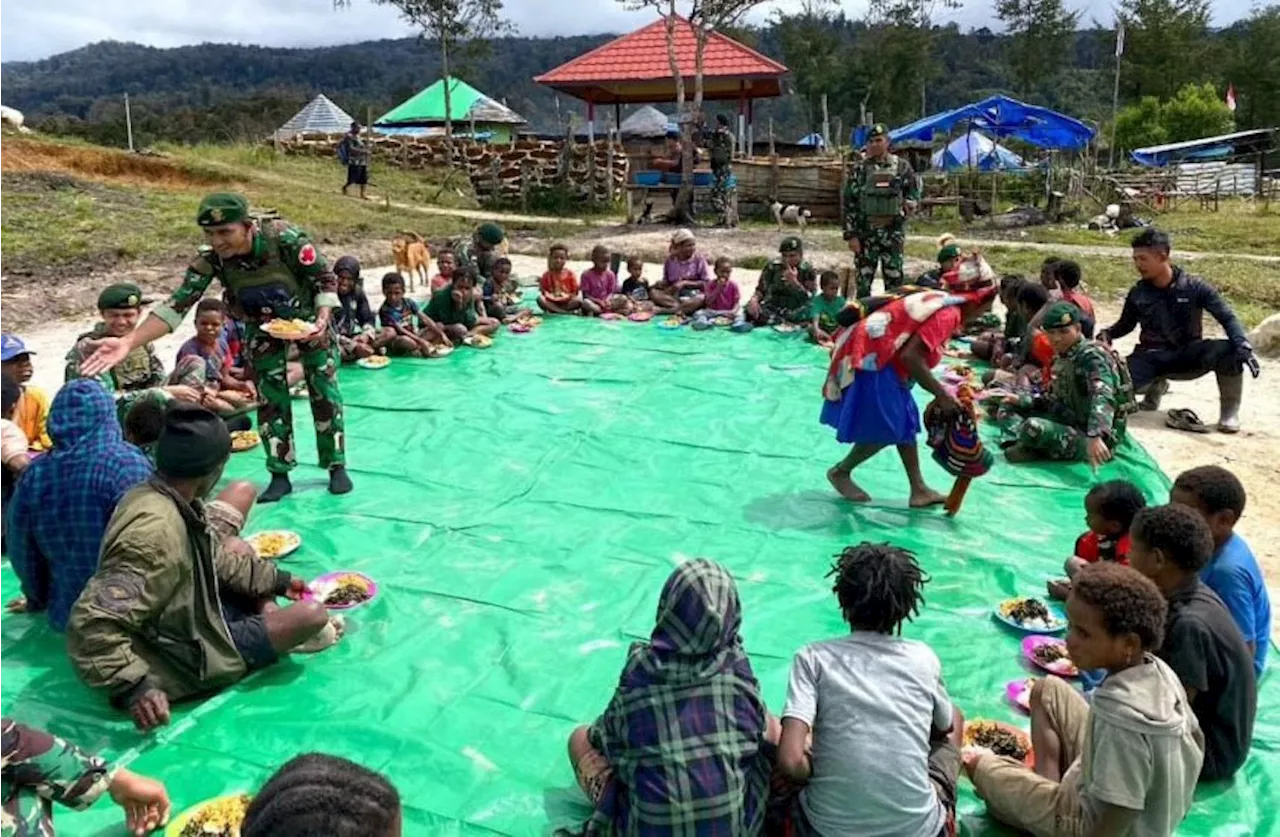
x=825, y=306
x=404, y=329
x=678, y=750
x=454, y=310
x=948, y=257
x=635, y=285
x=32, y=411
x=600, y=293
x=500, y=293
x=1128, y=762
x=1109, y=509
x=353, y=318
x=868, y=728
x=558, y=286
x=1065, y=279
x=991, y=346
x=446, y=264
x=316, y=793
x=720, y=297
x=1032, y=362
x=204, y=363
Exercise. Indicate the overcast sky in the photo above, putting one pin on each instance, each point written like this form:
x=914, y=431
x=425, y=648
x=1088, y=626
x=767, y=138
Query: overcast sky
x=31, y=29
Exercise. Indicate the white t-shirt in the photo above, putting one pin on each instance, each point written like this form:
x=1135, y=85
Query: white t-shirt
x=872, y=701
x=13, y=442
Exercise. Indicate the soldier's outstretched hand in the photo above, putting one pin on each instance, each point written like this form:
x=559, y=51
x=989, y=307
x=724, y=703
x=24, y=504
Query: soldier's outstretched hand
x=108, y=352
x=1098, y=452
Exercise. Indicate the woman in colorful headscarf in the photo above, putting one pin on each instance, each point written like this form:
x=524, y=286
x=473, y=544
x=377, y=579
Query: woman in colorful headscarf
x=678, y=750
x=685, y=275
x=878, y=359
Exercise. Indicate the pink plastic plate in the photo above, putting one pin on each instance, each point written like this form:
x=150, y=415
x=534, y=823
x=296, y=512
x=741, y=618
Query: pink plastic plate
x=1019, y=693
x=610, y=315
x=1062, y=668
x=641, y=317
x=319, y=588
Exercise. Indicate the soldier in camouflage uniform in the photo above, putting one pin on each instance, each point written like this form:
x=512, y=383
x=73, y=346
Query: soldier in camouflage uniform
x=786, y=287
x=721, y=147
x=1083, y=416
x=478, y=251
x=269, y=270
x=40, y=769
x=881, y=192
x=141, y=374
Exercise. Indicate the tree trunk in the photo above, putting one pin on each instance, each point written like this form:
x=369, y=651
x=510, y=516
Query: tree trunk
x=448, y=110
x=680, y=213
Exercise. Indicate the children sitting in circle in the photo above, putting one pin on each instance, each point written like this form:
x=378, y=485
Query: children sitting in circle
x=405, y=331
x=204, y=363
x=1109, y=509
x=600, y=292
x=454, y=310
x=826, y=305
x=446, y=264
x=558, y=286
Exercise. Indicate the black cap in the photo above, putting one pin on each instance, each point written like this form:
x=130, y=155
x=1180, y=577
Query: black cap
x=194, y=441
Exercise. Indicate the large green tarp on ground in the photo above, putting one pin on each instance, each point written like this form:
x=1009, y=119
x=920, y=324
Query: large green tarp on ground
x=521, y=508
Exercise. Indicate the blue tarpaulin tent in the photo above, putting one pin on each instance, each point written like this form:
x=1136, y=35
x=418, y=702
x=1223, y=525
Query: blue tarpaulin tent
x=973, y=150
x=812, y=141
x=1209, y=148
x=1001, y=117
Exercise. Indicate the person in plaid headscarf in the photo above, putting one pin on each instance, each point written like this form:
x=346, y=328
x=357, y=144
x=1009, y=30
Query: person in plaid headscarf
x=678, y=750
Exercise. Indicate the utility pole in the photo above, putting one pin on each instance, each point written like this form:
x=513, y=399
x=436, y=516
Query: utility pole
x=1115, y=94
x=128, y=121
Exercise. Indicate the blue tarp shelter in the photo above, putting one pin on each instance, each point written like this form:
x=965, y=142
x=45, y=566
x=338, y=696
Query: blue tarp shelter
x=1207, y=149
x=812, y=141
x=1000, y=117
x=972, y=150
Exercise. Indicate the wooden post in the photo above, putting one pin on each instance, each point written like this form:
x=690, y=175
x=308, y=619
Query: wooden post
x=591, y=174
x=128, y=121
x=495, y=170
x=524, y=185
x=773, y=152
x=591, y=123
x=472, y=121
x=826, y=124
x=839, y=134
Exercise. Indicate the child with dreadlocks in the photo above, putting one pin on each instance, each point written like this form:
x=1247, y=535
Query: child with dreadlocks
x=1127, y=763
x=885, y=754
x=316, y=793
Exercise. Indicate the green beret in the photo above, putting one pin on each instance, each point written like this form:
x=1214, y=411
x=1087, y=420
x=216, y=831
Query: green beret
x=490, y=233
x=123, y=295
x=790, y=244
x=878, y=130
x=951, y=251
x=1061, y=315
x=222, y=208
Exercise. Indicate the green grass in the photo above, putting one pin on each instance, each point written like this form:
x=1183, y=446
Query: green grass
x=1238, y=226
x=1250, y=286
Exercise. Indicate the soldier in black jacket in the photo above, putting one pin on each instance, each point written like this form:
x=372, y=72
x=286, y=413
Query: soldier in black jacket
x=1168, y=306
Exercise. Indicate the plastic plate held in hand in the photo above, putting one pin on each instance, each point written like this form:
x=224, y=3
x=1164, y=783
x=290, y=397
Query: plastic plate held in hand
x=1007, y=610
x=290, y=329
x=1063, y=667
x=1019, y=692
x=332, y=584
x=978, y=732
x=274, y=544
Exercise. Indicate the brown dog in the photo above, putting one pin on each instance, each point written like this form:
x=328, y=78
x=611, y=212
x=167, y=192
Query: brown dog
x=412, y=257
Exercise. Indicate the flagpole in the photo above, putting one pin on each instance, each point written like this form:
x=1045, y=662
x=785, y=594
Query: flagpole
x=1115, y=95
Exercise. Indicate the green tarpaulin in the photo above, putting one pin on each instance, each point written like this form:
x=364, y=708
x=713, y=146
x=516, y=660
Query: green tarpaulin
x=465, y=103
x=521, y=508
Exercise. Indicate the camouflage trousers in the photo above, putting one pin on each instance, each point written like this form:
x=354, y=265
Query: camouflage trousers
x=881, y=246
x=275, y=417
x=1043, y=436
x=191, y=371
x=720, y=191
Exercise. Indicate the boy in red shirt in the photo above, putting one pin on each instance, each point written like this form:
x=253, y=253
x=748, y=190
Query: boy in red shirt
x=558, y=285
x=1109, y=511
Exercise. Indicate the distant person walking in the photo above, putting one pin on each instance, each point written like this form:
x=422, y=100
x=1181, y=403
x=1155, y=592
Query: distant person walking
x=354, y=152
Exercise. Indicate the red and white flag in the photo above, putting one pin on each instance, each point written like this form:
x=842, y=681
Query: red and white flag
x=1231, y=98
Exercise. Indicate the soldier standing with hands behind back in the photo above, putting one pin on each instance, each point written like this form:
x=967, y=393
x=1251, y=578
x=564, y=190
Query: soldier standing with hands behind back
x=881, y=192
x=270, y=270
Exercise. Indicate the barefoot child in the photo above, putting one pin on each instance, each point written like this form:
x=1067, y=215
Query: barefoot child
x=885, y=751
x=1109, y=508
x=600, y=286
x=446, y=264
x=1128, y=762
x=403, y=323
x=826, y=305
x=1203, y=646
x=455, y=310
x=678, y=749
x=558, y=285
x=204, y=363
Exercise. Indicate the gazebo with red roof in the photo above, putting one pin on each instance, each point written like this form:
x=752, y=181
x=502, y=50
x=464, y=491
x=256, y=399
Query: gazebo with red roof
x=635, y=69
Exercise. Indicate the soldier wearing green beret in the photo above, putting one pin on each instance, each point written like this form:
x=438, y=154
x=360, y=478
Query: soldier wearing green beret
x=269, y=270
x=881, y=192
x=1083, y=415
x=786, y=287
x=140, y=375
x=478, y=251
x=948, y=257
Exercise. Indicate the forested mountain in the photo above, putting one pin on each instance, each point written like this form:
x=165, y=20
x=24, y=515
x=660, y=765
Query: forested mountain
x=219, y=92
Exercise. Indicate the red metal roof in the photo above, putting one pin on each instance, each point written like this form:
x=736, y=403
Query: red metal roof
x=641, y=58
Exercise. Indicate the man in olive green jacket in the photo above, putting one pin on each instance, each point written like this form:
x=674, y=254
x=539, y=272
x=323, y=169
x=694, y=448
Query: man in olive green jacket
x=173, y=611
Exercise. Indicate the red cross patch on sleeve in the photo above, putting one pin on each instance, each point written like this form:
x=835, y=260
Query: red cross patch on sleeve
x=307, y=255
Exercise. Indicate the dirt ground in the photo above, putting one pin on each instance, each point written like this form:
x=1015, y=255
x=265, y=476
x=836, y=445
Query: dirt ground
x=49, y=318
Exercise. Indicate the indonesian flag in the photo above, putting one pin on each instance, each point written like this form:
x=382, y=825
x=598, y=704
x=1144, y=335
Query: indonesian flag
x=1231, y=98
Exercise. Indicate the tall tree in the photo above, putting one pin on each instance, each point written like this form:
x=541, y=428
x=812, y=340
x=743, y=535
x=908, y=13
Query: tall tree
x=812, y=49
x=1167, y=45
x=1040, y=32
x=1253, y=67
x=704, y=18
x=456, y=26
x=901, y=61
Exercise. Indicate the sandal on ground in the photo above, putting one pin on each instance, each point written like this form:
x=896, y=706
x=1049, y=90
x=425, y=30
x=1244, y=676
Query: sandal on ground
x=1185, y=420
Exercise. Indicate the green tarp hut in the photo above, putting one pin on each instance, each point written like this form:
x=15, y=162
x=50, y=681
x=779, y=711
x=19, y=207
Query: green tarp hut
x=424, y=113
